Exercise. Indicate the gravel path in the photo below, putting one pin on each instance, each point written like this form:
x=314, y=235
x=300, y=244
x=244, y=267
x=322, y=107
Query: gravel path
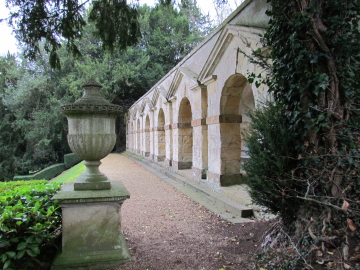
x=166, y=230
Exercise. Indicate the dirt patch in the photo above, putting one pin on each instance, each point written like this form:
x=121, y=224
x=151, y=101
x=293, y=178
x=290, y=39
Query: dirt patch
x=165, y=229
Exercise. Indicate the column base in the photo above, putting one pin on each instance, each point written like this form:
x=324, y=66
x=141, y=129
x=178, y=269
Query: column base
x=225, y=180
x=168, y=163
x=199, y=173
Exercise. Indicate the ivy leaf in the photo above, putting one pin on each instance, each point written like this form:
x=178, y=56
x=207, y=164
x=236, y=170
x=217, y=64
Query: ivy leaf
x=3, y=244
x=3, y=258
x=21, y=246
x=20, y=254
x=11, y=254
x=32, y=254
x=6, y=264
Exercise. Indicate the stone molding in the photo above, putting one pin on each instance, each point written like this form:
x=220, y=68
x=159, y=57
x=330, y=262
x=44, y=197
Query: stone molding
x=159, y=128
x=70, y=109
x=167, y=127
x=225, y=118
x=181, y=125
x=198, y=122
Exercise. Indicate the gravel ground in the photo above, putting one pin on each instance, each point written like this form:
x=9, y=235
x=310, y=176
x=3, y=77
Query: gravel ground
x=166, y=230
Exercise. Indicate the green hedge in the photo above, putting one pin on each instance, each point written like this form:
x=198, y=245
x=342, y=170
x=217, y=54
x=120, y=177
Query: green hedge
x=30, y=224
x=71, y=160
x=47, y=173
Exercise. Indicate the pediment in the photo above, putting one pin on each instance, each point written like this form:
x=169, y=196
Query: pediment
x=180, y=73
x=145, y=101
x=158, y=90
x=218, y=50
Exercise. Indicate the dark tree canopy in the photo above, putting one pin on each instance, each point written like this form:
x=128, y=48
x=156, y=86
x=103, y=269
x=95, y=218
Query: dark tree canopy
x=56, y=21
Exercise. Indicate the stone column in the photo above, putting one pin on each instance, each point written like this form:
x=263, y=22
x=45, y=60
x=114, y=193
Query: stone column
x=200, y=148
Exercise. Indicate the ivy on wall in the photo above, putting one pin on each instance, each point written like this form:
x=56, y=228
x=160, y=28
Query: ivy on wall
x=314, y=79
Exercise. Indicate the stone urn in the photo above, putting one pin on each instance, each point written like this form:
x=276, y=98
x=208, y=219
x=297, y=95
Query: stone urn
x=91, y=136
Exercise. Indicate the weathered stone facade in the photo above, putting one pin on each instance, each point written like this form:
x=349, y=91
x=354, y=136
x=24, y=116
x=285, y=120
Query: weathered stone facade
x=193, y=118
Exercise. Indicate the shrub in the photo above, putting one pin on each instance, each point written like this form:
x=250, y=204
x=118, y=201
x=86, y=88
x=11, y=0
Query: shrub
x=46, y=173
x=30, y=222
x=15, y=184
x=268, y=170
x=71, y=160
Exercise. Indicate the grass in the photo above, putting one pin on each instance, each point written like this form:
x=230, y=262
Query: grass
x=71, y=174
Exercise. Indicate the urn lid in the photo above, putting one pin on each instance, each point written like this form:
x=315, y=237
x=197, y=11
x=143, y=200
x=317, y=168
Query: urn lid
x=91, y=102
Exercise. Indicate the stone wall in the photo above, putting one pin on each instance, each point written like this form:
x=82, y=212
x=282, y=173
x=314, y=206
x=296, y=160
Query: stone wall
x=194, y=117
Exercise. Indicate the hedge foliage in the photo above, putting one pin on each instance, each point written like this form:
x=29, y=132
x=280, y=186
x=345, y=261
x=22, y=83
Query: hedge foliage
x=47, y=173
x=30, y=223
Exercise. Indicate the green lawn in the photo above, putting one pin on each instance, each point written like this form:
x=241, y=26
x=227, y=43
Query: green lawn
x=71, y=174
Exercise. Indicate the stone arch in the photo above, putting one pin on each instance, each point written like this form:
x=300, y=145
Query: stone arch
x=236, y=99
x=147, y=136
x=185, y=135
x=161, y=136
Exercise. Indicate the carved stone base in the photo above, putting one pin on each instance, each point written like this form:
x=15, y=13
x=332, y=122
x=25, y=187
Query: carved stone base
x=92, y=237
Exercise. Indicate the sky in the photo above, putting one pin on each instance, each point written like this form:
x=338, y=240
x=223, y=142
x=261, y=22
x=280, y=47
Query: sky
x=9, y=43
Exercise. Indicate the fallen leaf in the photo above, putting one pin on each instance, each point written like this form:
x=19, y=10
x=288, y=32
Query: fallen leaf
x=346, y=266
x=345, y=206
x=351, y=224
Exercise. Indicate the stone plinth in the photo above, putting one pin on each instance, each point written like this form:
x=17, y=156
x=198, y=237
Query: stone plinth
x=92, y=236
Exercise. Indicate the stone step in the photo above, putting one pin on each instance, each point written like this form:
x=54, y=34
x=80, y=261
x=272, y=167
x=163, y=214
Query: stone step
x=230, y=208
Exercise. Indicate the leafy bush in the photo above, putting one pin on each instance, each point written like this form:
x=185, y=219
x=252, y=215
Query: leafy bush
x=267, y=171
x=30, y=222
x=15, y=184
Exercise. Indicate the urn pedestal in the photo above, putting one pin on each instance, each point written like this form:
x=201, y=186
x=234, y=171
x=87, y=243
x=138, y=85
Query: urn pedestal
x=92, y=237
